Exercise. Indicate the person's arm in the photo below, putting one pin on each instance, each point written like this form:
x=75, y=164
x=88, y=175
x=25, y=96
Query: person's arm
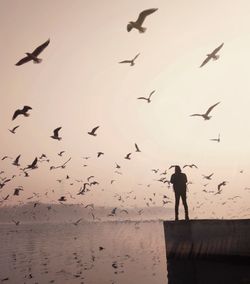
x=172, y=179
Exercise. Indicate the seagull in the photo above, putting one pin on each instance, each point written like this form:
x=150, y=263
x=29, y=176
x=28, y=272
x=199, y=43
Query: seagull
x=128, y=156
x=190, y=166
x=92, y=132
x=32, y=166
x=62, y=198
x=6, y=157
x=138, y=23
x=216, y=139
x=16, y=162
x=205, y=115
x=212, y=55
x=99, y=154
x=16, y=190
x=21, y=111
x=208, y=177
x=155, y=170
x=132, y=61
x=137, y=148
x=13, y=129
x=221, y=184
x=147, y=99
x=56, y=134
x=117, y=166
x=60, y=154
x=34, y=54
x=77, y=222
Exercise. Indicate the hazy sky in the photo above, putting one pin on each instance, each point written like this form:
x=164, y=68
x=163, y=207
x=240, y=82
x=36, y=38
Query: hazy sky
x=80, y=85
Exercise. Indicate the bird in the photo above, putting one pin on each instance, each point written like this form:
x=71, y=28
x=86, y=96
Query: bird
x=147, y=99
x=60, y=153
x=16, y=161
x=16, y=190
x=62, y=198
x=16, y=222
x=23, y=111
x=155, y=170
x=99, y=154
x=90, y=177
x=77, y=222
x=117, y=166
x=13, y=130
x=56, y=134
x=128, y=156
x=6, y=157
x=190, y=166
x=132, y=61
x=221, y=184
x=138, y=23
x=208, y=177
x=137, y=148
x=32, y=166
x=205, y=115
x=216, y=139
x=212, y=55
x=34, y=54
x=92, y=132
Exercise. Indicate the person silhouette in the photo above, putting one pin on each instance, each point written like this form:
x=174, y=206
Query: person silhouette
x=179, y=181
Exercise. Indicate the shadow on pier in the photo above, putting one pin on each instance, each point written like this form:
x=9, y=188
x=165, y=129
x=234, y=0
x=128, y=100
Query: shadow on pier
x=208, y=251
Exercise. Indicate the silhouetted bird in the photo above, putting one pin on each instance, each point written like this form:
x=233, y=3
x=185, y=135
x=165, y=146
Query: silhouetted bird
x=60, y=153
x=99, y=154
x=56, y=134
x=77, y=222
x=117, y=166
x=16, y=190
x=208, y=177
x=92, y=132
x=221, y=184
x=138, y=23
x=190, y=166
x=32, y=166
x=137, y=148
x=34, y=54
x=216, y=139
x=13, y=130
x=212, y=55
x=23, y=111
x=132, y=61
x=205, y=115
x=147, y=99
x=62, y=198
x=16, y=161
x=16, y=222
x=128, y=156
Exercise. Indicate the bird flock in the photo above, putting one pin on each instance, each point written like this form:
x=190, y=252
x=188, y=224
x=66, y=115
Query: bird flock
x=87, y=185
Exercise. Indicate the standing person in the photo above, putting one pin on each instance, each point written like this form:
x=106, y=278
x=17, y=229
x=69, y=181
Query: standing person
x=179, y=181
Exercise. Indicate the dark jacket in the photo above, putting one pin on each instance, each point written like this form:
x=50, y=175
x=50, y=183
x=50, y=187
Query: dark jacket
x=179, y=181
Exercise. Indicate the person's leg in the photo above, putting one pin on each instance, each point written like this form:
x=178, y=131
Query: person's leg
x=184, y=202
x=177, y=200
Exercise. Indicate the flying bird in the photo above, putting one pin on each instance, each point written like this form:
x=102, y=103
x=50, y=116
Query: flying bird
x=33, y=55
x=77, y=222
x=132, y=61
x=128, y=156
x=56, y=134
x=99, y=154
x=208, y=177
x=147, y=99
x=190, y=166
x=60, y=153
x=138, y=23
x=23, y=111
x=216, y=139
x=13, y=130
x=205, y=115
x=221, y=184
x=137, y=148
x=32, y=166
x=92, y=132
x=16, y=161
x=212, y=55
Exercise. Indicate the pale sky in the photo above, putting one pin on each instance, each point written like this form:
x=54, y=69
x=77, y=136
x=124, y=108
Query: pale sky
x=80, y=85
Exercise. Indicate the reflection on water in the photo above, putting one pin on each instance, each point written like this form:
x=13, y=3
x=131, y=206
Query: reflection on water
x=108, y=252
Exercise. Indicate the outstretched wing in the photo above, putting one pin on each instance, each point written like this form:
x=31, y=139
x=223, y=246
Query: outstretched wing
x=206, y=60
x=136, y=56
x=151, y=94
x=56, y=131
x=23, y=60
x=217, y=49
x=94, y=129
x=137, y=148
x=125, y=61
x=142, y=98
x=26, y=108
x=16, y=113
x=209, y=110
x=40, y=48
x=15, y=127
x=34, y=163
x=144, y=14
x=196, y=114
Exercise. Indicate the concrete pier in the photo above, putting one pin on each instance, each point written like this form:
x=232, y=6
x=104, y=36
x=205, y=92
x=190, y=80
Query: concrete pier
x=208, y=251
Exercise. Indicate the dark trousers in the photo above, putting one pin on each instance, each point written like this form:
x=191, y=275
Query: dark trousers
x=180, y=194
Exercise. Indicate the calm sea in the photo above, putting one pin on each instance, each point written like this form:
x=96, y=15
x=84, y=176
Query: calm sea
x=91, y=253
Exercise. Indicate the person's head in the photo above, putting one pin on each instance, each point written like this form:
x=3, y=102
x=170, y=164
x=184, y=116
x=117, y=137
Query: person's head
x=177, y=169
